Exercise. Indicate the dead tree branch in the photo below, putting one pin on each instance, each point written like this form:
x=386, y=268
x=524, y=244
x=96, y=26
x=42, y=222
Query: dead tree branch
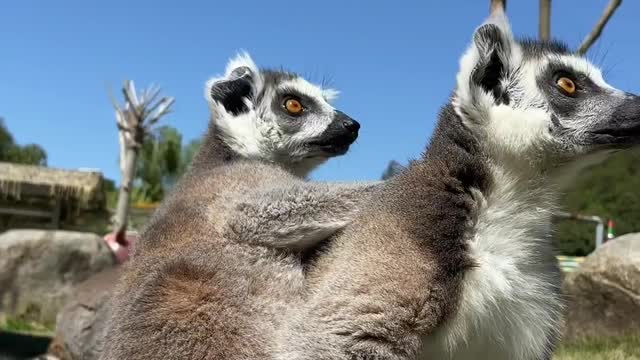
x=597, y=30
x=134, y=119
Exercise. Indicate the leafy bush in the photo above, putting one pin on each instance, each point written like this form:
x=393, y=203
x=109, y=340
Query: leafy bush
x=610, y=190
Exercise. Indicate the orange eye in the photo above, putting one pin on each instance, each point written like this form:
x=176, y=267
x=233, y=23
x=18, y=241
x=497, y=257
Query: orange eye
x=567, y=85
x=293, y=106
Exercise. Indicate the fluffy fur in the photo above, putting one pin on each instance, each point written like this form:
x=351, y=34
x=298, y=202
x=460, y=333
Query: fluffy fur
x=220, y=261
x=452, y=259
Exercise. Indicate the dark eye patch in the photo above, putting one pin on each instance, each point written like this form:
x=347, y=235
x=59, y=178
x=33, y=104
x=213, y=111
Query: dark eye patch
x=563, y=105
x=310, y=104
x=584, y=84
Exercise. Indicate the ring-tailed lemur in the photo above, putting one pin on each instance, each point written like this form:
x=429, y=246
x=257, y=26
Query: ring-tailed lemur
x=220, y=261
x=452, y=259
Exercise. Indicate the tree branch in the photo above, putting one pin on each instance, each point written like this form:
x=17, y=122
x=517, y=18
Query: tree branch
x=158, y=106
x=135, y=111
x=597, y=30
x=130, y=92
x=150, y=96
x=135, y=118
x=545, y=19
x=164, y=108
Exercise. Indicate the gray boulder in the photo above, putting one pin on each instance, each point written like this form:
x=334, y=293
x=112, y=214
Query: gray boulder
x=604, y=293
x=82, y=321
x=39, y=269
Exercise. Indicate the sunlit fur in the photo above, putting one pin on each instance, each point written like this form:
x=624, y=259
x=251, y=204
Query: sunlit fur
x=257, y=133
x=511, y=307
x=221, y=260
x=453, y=258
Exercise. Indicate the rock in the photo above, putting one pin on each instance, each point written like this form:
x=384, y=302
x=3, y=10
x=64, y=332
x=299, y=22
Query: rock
x=39, y=269
x=80, y=324
x=604, y=293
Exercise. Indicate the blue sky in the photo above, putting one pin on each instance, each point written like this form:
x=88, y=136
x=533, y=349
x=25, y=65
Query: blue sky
x=393, y=61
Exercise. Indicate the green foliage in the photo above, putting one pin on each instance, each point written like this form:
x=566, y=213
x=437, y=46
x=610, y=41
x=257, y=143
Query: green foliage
x=111, y=193
x=188, y=152
x=30, y=154
x=610, y=190
x=158, y=164
x=26, y=322
x=610, y=348
x=162, y=160
x=19, y=325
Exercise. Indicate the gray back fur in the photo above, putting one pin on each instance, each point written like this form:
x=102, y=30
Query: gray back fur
x=220, y=261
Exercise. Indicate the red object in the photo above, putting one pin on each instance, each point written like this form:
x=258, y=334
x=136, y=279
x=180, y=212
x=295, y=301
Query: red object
x=121, y=248
x=610, y=232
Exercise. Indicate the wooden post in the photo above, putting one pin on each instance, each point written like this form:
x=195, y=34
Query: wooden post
x=597, y=30
x=55, y=214
x=545, y=19
x=498, y=6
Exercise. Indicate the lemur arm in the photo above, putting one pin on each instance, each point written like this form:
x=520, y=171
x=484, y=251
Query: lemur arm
x=296, y=217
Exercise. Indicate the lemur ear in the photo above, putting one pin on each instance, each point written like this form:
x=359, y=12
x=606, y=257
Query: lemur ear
x=488, y=59
x=493, y=57
x=233, y=92
x=238, y=88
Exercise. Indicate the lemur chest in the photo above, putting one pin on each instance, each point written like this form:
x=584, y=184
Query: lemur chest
x=509, y=305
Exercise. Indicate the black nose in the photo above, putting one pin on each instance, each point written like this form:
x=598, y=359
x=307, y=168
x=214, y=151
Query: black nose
x=351, y=125
x=348, y=123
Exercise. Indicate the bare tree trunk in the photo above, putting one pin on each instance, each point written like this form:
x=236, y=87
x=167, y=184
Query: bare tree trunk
x=545, y=19
x=134, y=120
x=124, y=196
x=498, y=6
x=597, y=30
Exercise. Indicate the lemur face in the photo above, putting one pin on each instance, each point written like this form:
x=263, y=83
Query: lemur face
x=278, y=116
x=301, y=111
x=584, y=109
x=539, y=102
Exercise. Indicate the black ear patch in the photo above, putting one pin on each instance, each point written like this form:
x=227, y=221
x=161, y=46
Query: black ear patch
x=493, y=49
x=231, y=92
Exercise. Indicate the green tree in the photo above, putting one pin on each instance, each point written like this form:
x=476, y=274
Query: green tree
x=159, y=164
x=30, y=154
x=6, y=139
x=188, y=152
x=163, y=160
x=610, y=190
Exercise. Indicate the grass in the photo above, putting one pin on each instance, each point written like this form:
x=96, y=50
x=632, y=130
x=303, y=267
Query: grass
x=17, y=325
x=619, y=348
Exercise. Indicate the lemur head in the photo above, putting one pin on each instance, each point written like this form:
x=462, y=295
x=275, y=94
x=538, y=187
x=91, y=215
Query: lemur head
x=538, y=105
x=278, y=116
